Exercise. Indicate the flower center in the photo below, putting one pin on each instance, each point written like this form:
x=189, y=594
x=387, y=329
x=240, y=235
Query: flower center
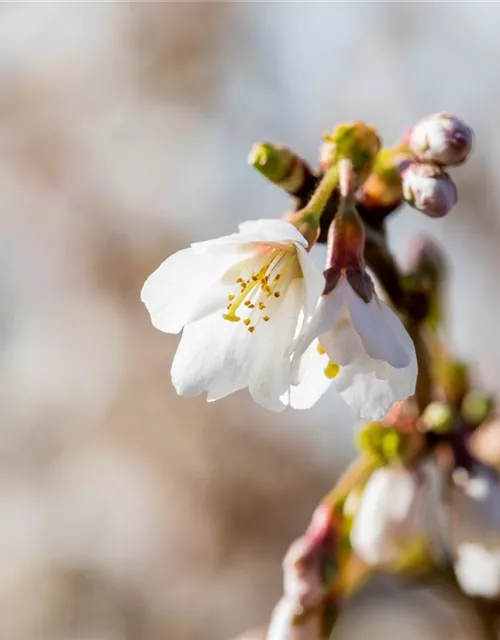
x=263, y=281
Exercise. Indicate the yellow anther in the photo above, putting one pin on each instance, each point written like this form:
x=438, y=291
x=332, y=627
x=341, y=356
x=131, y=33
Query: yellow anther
x=331, y=370
x=247, y=321
x=321, y=349
x=260, y=280
x=231, y=317
x=266, y=318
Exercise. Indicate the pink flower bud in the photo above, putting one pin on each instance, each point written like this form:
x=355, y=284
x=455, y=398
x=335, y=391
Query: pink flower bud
x=429, y=189
x=441, y=138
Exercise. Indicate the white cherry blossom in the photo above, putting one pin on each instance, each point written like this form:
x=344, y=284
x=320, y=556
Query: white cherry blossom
x=241, y=300
x=390, y=516
x=361, y=348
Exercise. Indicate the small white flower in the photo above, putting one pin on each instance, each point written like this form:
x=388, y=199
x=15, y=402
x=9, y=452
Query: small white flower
x=429, y=189
x=389, y=518
x=241, y=300
x=475, y=532
x=363, y=350
x=441, y=138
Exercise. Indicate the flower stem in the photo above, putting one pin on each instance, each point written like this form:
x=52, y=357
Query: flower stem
x=323, y=193
x=308, y=219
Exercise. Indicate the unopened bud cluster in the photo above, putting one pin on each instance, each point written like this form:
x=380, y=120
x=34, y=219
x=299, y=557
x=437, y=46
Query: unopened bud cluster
x=435, y=142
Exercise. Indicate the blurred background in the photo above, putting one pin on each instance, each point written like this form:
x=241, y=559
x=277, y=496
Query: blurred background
x=127, y=513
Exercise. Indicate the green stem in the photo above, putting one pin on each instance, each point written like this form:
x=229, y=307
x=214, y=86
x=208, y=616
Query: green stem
x=322, y=195
x=423, y=392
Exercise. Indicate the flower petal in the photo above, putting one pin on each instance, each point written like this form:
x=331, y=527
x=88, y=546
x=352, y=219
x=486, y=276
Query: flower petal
x=311, y=378
x=326, y=315
x=404, y=338
x=343, y=345
x=371, y=323
x=201, y=361
x=314, y=282
x=221, y=357
x=271, y=364
x=172, y=291
x=370, y=389
x=272, y=230
x=250, y=233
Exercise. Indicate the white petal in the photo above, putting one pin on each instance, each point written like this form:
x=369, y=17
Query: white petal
x=325, y=317
x=173, y=290
x=272, y=230
x=367, y=396
x=401, y=381
x=343, y=344
x=270, y=359
x=404, y=338
x=251, y=233
x=221, y=357
x=312, y=381
x=314, y=281
x=370, y=321
x=370, y=389
x=200, y=363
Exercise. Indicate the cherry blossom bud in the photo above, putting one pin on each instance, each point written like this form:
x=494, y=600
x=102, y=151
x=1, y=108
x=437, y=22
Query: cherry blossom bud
x=389, y=520
x=280, y=165
x=442, y=139
x=429, y=189
x=353, y=140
